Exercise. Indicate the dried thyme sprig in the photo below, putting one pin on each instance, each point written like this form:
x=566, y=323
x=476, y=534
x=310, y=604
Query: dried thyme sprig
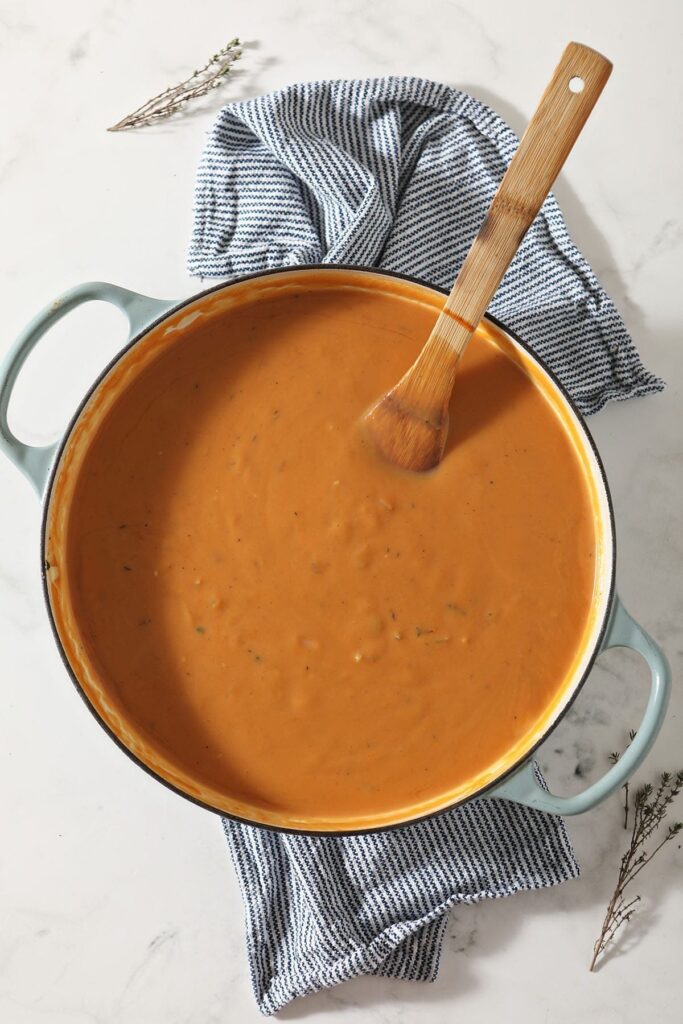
x=613, y=758
x=650, y=807
x=172, y=99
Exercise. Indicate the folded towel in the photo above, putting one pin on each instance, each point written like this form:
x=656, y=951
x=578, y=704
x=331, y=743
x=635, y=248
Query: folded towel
x=397, y=173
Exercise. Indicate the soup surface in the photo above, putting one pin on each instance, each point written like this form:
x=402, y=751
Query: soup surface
x=295, y=623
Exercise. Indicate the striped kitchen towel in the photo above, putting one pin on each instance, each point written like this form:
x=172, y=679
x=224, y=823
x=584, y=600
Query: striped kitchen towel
x=397, y=173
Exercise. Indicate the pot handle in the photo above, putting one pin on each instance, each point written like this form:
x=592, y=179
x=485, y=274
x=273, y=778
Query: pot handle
x=523, y=786
x=35, y=461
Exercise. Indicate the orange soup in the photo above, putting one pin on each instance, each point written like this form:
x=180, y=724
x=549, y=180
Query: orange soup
x=287, y=618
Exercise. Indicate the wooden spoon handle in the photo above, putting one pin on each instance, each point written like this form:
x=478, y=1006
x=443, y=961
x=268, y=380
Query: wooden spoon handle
x=545, y=145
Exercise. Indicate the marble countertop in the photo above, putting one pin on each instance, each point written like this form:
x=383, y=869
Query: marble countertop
x=118, y=903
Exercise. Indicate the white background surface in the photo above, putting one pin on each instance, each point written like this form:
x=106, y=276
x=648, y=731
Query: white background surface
x=118, y=903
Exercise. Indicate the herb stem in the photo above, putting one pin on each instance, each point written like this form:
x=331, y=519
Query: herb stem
x=650, y=807
x=172, y=99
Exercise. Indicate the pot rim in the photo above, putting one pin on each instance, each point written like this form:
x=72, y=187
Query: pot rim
x=599, y=634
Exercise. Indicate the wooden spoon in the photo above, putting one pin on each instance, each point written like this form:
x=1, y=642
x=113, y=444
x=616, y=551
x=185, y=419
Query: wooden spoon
x=410, y=423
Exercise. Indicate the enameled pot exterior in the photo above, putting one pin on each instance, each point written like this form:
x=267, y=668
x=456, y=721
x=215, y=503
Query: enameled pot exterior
x=615, y=627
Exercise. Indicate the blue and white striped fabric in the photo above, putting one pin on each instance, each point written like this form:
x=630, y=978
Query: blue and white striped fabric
x=394, y=172
x=398, y=173
x=321, y=910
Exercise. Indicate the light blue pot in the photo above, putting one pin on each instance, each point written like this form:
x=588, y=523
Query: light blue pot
x=618, y=629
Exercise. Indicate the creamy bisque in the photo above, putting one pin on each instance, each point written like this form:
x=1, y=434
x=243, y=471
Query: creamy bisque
x=285, y=618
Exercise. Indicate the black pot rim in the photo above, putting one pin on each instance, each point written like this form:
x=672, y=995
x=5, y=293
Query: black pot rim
x=63, y=444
